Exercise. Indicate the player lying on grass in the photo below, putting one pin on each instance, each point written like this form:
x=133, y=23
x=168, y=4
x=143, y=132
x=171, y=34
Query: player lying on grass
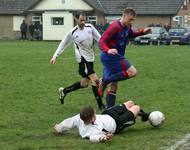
x=83, y=36
x=100, y=128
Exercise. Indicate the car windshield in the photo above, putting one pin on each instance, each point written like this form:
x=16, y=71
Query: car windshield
x=178, y=30
x=155, y=30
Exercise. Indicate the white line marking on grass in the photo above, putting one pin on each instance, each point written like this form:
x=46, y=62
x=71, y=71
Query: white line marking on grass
x=180, y=143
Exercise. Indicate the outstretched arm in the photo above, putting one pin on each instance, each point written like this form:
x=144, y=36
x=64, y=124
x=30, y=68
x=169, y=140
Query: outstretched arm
x=134, y=34
x=63, y=44
x=67, y=124
x=101, y=137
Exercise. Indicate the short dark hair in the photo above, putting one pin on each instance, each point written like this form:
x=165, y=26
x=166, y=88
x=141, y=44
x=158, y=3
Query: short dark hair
x=87, y=113
x=78, y=14
x=129, y=11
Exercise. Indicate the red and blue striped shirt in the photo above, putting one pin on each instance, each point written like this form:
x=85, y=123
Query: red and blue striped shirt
x=117, y=36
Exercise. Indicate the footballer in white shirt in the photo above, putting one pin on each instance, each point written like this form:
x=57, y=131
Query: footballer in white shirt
x=101, y=128
x=83, y=36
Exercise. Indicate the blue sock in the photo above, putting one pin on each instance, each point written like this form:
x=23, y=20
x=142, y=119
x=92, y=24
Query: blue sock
x=123, y=75
x=110, y=99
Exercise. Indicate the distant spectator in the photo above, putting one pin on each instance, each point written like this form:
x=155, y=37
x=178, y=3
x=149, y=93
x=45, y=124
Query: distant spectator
x=100, y=28
x=38, y=31
x=151, y=25
x=158, y=25
x=31, y=30
x=106, y=25
x=167, y=27
x=23, y=29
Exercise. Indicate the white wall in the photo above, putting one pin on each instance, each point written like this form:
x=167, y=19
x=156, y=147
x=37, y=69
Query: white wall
x=17, y=20
x=56, y=32
x=58, y=5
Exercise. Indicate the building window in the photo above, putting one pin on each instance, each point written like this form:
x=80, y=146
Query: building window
x=179, y=20
x=92, y=19
x=57, y=21
x=37, y=20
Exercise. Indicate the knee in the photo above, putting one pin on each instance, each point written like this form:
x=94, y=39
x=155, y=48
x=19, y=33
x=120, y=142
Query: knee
x=95, y=82
x=132, y=72
x=135, y=110
x=129, y=104
x=84, y=84
x=112, y=87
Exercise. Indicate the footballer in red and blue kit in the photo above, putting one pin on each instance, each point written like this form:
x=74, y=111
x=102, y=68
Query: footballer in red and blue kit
x=116, y=36
x=115, y=65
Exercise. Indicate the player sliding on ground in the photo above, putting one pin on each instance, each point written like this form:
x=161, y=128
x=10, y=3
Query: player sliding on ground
x=112, y=44
x=82, y=36
x=100, y=128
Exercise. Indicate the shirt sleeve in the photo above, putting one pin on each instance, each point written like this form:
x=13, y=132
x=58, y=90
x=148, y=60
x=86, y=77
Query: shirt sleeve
x=134, y=34
x=107, y=36
x=63, y=44
x=69, y=123
x=97, y=137
x=95, y=33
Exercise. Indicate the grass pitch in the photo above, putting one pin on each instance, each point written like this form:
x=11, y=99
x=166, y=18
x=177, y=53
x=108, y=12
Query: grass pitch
x=29, y=105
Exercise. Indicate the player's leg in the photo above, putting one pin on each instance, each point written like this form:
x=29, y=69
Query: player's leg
x=135, y=109
x=124, y=70
x=129, y=104
x=111, y=95
x=123, y=116
x=128, y=117
x=75, y=86
x=107, y=71
x=144, y=115
x=95, y=81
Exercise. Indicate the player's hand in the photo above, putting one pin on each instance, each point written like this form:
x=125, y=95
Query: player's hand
x=53, y=61
x=107, y=137
x=112, y=51
x=147, y=31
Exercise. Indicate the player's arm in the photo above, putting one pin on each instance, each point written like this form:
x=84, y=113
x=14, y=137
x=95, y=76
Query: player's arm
x=95, y=33
x=101, y=137
x=67, y=124
x=107, y=37
x=63, y=44
x=134, y=34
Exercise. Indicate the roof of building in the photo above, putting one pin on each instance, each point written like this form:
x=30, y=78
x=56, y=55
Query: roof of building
x=96, y=4
x=15, y=6
x=142, y=7
x=113, y=7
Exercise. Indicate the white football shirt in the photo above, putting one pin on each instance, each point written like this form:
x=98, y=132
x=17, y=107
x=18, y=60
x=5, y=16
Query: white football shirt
x=83, y=40
x=94, y=131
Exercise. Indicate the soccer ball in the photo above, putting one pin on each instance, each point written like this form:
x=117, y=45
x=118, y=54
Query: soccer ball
x=156, y=118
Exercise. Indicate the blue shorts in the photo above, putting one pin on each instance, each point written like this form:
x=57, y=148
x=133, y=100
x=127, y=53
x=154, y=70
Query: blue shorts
x=114, y=67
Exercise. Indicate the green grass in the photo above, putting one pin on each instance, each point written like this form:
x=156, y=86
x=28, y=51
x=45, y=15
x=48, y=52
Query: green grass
x=29, y=105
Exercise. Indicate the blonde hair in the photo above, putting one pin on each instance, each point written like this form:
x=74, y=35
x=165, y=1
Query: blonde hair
x=129, y=11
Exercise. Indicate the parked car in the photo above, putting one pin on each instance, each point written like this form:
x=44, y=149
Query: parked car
x=185, y=39
x=156, y=37
x=178, y=35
